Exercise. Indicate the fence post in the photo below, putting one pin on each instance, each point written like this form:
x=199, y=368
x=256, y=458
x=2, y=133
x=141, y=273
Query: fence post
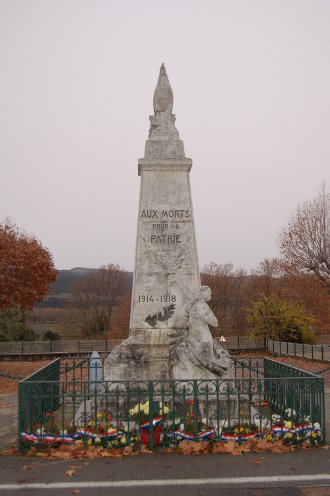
x=20, y=414
x=273, y=345
x=106, y=345
x=151, y=416
x=78, y=346
x=22, y=346
x=312, y=352
x=303, y=350
x=238, y=342
x=287, y=347
x=322, y=352
x=295, y=349
x=280, y=348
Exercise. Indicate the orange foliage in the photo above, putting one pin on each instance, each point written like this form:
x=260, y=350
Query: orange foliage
x=120, y=317
x=234, y=291
x=26, y=269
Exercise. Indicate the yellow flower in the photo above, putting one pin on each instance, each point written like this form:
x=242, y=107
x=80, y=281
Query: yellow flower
x=166, y=410
x=89, y=442
x=136, y=438
x=126, y=429
x=313, y=434
x=97, y=440
x=99, y=416
x=146, y=410
x=91, y=423
x=123, y=439
x=236, y=430
x=269, y=437
x=288, y=435
x=288, y=424
x=132, y=411
x=242, y=429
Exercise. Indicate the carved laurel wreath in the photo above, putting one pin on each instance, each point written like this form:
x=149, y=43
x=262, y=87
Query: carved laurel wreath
x=160, y=316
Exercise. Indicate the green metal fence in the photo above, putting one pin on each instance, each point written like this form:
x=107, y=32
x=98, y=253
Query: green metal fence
x=265, y=399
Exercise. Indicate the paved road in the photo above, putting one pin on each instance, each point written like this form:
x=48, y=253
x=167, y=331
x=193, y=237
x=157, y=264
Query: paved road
x=171, y=474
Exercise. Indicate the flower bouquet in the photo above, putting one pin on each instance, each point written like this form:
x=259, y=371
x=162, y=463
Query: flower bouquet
x=142, y=412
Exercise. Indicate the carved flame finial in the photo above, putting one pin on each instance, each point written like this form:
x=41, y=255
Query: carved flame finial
x=163, y=96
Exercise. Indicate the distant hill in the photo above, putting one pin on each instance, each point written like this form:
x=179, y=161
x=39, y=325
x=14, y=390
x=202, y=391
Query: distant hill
x=66, y=277
x=60, y=288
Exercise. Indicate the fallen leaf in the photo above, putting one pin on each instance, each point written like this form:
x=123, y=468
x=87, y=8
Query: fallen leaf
x=30, y=479
x=29, y=467
x=70, y=473
x=76, y=491
x=256, y=461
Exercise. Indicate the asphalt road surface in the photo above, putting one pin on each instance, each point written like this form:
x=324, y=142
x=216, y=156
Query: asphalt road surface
x=303, y=473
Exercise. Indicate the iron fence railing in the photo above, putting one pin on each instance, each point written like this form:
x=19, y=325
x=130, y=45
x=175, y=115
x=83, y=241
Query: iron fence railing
x=101, y=345
x=264, y=399
x=311, y=351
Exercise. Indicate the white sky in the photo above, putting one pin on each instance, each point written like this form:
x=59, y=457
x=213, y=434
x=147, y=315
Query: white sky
x=251, y=83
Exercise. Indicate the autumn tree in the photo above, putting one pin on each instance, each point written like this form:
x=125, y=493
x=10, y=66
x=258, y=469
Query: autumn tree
x=305, y=242
x=120, y=317
x=26, y=269
x=273, y=278
x=279, y=319
x=94, y=297
x=228, y=295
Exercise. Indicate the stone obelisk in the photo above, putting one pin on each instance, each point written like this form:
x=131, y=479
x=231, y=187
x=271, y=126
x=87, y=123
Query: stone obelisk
x=169, y=335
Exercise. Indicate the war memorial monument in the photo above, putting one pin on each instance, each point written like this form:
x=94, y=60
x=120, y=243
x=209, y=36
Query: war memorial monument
x=170, y=317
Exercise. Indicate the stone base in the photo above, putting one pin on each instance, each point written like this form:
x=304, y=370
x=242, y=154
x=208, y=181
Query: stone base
x=143, y=356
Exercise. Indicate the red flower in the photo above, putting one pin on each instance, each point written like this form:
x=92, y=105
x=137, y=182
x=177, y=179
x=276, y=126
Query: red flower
x=37, y=424
x=48, y=414
x=109, y=417
x=190, y=402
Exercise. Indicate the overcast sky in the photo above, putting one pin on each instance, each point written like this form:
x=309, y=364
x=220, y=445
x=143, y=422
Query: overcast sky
x=251, y=83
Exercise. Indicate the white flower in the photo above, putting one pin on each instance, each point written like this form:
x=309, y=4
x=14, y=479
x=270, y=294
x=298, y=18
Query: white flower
x=290, y=413
x=317, y=426
x=181, y=427
x=177, y=421
x=40, y=431
x=307, y=418
x=276, y=418
x=308, y=434
x=224, y=424
x=63, y=433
